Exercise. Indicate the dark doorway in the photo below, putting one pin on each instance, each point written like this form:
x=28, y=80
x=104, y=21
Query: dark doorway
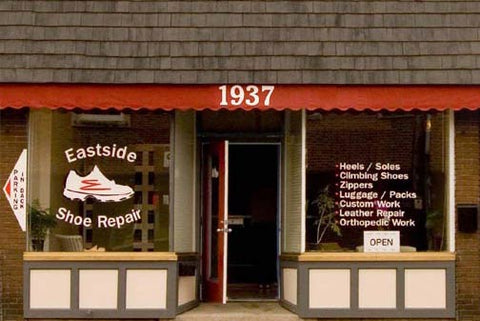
x=253, y=209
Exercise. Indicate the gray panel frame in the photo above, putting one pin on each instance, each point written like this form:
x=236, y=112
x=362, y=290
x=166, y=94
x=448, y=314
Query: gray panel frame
x=354, y=311
x=121, y=311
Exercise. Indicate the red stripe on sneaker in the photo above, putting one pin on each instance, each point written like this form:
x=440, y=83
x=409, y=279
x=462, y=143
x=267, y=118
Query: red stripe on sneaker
x=90, y=185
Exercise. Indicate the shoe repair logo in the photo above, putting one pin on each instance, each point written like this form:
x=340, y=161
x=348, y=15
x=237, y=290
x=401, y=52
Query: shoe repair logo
x=97, y=186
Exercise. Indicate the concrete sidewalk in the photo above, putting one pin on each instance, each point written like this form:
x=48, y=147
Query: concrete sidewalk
x=239, y=311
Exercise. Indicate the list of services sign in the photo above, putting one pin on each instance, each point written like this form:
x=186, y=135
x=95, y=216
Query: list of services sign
x=363, y=201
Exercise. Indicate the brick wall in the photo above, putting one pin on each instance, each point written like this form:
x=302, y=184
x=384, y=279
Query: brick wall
x=13, y=138
x=467, y=149
x=363, y=138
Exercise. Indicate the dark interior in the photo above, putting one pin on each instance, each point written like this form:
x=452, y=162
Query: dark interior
x=252, y=203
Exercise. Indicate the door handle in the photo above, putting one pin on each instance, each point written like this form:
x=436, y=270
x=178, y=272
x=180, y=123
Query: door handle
x=223, y=230
x=225, y=227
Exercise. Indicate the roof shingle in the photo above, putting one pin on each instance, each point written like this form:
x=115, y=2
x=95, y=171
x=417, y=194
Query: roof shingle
x=311, y=42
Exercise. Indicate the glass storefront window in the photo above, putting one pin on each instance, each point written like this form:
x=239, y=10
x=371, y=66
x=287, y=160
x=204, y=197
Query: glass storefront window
x=376, y=181
x=99, y=181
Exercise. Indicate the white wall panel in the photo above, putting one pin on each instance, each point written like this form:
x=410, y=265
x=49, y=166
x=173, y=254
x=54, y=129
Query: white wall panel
x=50, y=289
x=98, y=289
x=186, y=289
x=329, y=288
x=425, y=289
x=146, y=289
x=377, y=288
x=290, y=285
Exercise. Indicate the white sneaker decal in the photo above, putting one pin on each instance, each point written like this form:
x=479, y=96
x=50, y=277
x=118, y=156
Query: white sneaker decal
x=95, y=185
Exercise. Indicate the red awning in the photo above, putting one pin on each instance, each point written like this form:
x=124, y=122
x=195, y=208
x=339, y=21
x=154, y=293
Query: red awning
x=231, y=97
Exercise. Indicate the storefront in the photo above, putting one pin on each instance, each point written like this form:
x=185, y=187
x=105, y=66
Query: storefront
x=337, y=201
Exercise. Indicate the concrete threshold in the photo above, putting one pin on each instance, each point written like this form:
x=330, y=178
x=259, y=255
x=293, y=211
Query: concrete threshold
x=238, y=311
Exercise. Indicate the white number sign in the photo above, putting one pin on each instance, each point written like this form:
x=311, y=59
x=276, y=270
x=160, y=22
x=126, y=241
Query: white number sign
x=250, y=95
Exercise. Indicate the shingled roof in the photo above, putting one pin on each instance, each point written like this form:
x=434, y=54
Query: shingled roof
x=245, y=41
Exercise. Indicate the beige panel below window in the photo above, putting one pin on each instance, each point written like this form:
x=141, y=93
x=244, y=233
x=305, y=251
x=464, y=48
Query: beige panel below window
x=425, y=289
x=290, y=285
x=98, y=289
x=377, y=288
x=50, y=289
x=329, y=289
x=186, y=289
x=146, y=289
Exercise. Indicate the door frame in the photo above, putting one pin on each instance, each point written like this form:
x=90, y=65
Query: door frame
x=203, y=239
